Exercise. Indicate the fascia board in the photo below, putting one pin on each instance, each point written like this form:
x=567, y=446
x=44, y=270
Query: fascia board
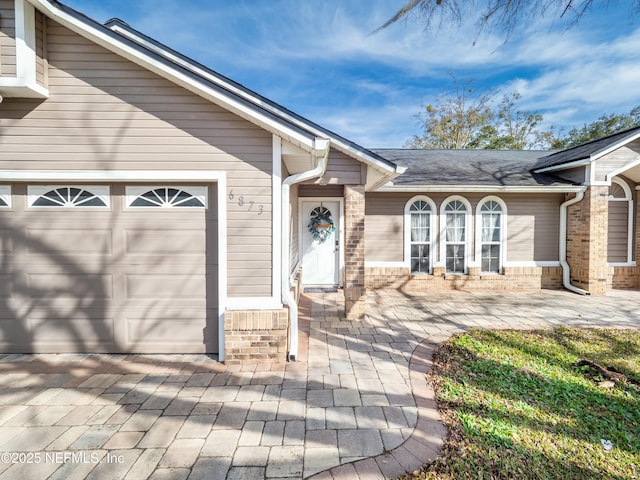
x=480, y=188
x=564, y=166
x=611, y=148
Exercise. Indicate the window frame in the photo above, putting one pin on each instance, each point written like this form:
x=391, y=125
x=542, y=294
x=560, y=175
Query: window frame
x=628, y=197
x=5, y=196
x=35, y=192
x=503, y=233
x=133, y=192
x=468, y=233
x=432, y=232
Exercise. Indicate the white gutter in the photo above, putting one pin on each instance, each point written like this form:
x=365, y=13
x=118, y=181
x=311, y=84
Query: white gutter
x=564, y=166
x=321, y=157
x=481, y=188
x=566, y=270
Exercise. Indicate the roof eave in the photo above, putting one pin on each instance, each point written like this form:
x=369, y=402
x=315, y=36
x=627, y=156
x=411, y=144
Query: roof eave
x=483, y=188
x=563, y=166
x=592, y=157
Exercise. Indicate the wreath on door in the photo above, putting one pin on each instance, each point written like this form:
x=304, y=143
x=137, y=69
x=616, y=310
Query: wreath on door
x=321, y=225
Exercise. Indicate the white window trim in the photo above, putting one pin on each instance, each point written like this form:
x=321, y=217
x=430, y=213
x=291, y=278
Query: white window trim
x=628, y=197
x=468, y=234
x=503, y=231
x=407, y=232
x=5, y=195
x=133, y=192
x=34, y=192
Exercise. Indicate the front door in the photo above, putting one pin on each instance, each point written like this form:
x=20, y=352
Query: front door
x=320, y=222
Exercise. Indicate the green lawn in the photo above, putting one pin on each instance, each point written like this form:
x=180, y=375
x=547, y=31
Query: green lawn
x=518, y=407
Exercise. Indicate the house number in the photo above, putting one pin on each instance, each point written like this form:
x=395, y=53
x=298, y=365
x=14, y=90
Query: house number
x=242, y=202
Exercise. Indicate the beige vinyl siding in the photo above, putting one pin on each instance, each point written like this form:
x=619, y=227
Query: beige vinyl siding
x=307, y=190
x=41, y=49
x=617, y=159
x=7, y=39
x=533, y=227
x=342, y=170
x=383, y=227
x=106, y=113
x=618, y=234
x=533, y=224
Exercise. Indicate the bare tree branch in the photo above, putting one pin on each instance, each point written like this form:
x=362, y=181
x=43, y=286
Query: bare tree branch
x=503, y=15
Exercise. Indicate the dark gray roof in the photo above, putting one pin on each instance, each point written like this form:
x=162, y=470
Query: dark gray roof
x=470, y=167
x=586, y=150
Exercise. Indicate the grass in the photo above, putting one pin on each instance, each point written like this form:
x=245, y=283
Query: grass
x=518, y=407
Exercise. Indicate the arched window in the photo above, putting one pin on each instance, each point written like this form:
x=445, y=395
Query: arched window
x=491, y=234
x=454, y=231
x=166, y=197
x=419, y=216
x=68, y=196
x=620, y=222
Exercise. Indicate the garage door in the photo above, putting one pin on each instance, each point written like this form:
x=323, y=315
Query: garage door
x=109, y=268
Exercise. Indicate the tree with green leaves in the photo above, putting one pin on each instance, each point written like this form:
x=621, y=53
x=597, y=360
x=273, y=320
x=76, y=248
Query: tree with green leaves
x=607, y=124
x=467, y=119
x=455, y=120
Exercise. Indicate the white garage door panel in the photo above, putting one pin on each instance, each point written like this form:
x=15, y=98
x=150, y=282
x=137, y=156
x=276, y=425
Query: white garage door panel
x=6, y=285
x=174, y=286
x=179, y=329
x=8, y=332
x=69, y=285
x=76, y=242
x=154, y=242
x=68, y=331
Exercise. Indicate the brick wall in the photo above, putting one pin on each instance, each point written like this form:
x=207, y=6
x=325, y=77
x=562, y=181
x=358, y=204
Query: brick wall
x=514, y=278
x=256, y=336
x=587, y=233
x=354, y=273
x=623, y=277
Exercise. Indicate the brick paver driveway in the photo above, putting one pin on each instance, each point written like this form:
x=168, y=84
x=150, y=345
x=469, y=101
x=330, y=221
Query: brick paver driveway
x=357, y=391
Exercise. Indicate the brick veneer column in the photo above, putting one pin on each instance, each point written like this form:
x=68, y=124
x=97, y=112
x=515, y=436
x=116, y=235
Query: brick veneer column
x=256, y=336
x=354, y=273
x=587, y=232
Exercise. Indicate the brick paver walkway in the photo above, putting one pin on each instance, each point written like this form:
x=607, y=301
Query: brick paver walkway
x=356, y=405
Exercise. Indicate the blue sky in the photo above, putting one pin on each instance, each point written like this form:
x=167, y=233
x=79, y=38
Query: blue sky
x=318, y=58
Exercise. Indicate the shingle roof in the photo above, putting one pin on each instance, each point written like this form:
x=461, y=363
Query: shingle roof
x=587, y=150
x=470, y=167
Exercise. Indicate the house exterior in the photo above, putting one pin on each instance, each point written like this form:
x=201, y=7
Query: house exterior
x=149, y=204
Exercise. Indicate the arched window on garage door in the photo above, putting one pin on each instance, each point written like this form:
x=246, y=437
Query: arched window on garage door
x=5, y=196
x=68, y=196
x=167, y=197
x=620, y=232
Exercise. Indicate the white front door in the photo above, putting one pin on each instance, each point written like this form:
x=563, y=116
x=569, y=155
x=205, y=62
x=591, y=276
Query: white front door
x=320, y=223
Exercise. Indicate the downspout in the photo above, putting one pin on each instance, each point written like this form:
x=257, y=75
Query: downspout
x=320, y=156
x=566, y=270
